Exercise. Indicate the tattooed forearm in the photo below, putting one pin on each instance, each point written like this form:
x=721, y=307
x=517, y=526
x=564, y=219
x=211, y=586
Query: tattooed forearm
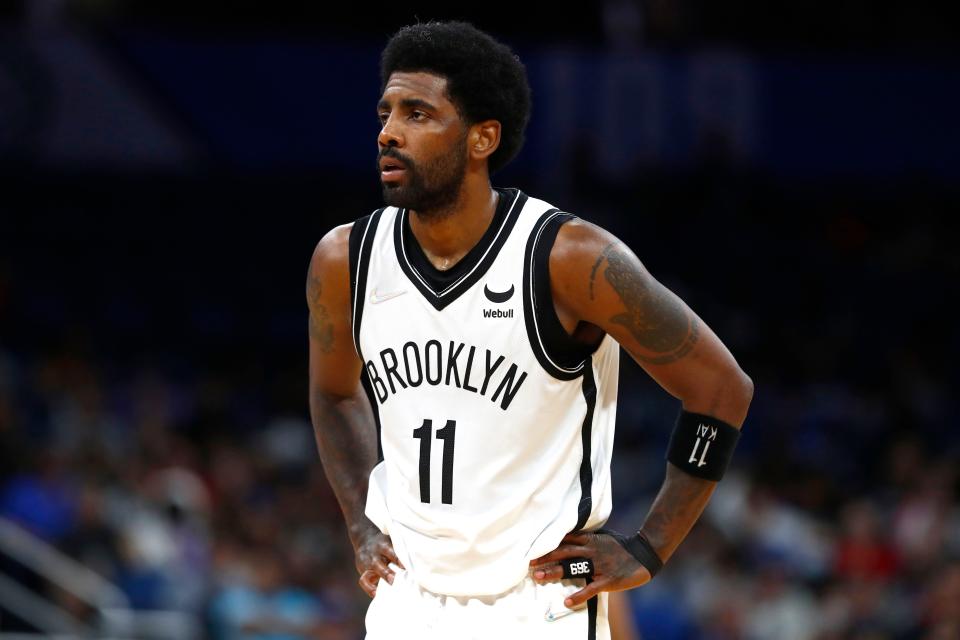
x=347, y=440
x=677, y=507
x=655, y=317
x=593, y=272
x=321, y=327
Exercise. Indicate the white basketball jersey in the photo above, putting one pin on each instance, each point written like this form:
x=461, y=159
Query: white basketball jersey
x=496, y=435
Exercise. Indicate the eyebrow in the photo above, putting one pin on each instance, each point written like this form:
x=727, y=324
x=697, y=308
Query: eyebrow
x=409, y=103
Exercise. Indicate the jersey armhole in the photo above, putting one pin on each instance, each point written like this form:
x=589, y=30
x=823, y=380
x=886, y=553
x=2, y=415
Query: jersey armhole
x=360, y=246
x=561, y=355
x=356, y=235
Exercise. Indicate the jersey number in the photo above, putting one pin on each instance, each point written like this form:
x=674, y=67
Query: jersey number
x=423, y=433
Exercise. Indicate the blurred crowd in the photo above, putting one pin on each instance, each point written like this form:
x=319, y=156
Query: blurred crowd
x=192, y=493
x=234, y=522
x=882, y=565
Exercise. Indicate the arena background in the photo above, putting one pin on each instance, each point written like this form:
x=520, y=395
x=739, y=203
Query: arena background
x=166, y=169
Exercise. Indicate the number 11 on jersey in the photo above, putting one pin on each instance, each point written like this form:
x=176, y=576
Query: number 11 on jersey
x=424, y=434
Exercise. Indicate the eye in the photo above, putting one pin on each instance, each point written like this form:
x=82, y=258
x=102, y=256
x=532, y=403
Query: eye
x=418, y=115
x=382, y=118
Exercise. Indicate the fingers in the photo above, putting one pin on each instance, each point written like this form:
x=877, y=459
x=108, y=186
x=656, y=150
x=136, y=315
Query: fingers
x=380, y=567
x=562, y=553
x=592, y=589
x=377, y=569
x=368, y=582
x=386, y=550
x=373, y=563
x=571, y=540
x=549, y=573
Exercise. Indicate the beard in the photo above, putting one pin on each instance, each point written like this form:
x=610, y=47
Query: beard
x=432, y=188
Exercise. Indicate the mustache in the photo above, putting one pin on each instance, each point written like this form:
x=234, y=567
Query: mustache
x=390, y=152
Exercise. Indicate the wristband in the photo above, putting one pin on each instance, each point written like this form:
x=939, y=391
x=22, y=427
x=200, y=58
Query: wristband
x=702, y=445
x=639, y=547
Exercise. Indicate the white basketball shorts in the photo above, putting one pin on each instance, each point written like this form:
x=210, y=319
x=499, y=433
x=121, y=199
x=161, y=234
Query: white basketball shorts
x=530, y=610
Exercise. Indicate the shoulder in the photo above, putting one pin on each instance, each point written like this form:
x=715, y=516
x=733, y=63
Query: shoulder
x=328, y=276
x=588, y=265
x=577, y=252
x=579, y=240
x=333, y=248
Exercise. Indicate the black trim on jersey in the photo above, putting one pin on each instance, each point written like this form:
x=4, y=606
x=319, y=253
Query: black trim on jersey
x=589, y=389
x=440, y=288
x=558, y=353
x=592, y=615
x=359, y=249
x=360, y=246
x=356, y=236
x=374, y=407
x=564, y=350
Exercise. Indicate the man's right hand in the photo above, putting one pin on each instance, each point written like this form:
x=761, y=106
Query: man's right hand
x=374, y=553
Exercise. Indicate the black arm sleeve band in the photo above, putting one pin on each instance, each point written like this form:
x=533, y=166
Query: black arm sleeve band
x=639, y=547
x=702, y=445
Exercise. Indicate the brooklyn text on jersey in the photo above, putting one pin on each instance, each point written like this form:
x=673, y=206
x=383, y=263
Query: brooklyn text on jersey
x=454, y=365
x=496, y=428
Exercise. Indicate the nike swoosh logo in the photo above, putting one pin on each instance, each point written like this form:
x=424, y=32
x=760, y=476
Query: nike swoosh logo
x=494, y=296
x=383, y=297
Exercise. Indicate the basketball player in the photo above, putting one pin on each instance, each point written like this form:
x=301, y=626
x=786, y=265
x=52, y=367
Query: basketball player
x=472, y=462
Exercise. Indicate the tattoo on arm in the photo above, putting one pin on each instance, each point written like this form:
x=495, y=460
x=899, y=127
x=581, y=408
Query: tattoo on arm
x=347, y=440
x=676, y=508
x=593, y=272
x=321, y=327
x=655, y=317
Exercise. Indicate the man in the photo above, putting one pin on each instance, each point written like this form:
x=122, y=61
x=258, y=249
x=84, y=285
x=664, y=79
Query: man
x=486, y=326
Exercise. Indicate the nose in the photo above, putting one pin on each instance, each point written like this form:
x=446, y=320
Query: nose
x=390, y=136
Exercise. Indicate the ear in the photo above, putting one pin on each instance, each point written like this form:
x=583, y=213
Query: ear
x=483, y=139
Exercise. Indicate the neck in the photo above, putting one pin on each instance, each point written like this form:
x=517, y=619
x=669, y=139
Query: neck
x=446, y=236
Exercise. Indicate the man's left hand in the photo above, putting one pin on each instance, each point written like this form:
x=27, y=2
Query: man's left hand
x=614, y=568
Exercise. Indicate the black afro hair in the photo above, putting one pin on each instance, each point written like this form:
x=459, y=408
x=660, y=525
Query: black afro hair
x=485, y=80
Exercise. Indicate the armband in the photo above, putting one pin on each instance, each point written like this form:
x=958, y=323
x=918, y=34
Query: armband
x=702, y=445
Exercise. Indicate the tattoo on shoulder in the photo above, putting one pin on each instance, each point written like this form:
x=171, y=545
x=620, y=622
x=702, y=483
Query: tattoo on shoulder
x=321, y=327
x=655, y=317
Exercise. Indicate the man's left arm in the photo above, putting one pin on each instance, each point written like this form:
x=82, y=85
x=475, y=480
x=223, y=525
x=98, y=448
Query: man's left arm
x=597, y=280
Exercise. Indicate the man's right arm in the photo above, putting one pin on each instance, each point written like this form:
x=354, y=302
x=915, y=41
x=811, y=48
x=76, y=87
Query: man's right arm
x=339, y=409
